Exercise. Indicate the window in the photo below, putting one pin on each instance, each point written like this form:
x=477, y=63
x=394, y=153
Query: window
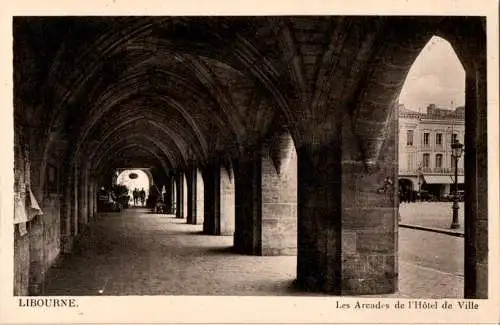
x=439, y=160
x=439, y=140
x=410, y=162
x=425, y=161
x=409, y=138
x=426, y=139
x=454, y=138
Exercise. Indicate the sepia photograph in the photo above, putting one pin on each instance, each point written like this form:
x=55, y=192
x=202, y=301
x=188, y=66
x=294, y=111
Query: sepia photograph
x=251, y=155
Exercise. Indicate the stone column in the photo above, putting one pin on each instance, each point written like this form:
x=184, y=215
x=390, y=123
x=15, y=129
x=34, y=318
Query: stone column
x=279, y=196
x=75, y=215
x=219, y=207
x=96, y=190
x=200, y=198
x=91, y=200
x=169, y=196
x=266, y=199
x=184, y=196
x=211, y=193
x=66, y=212
x=226, y=218
x=192, y=182
x=347, y=208
x=179, y=181
x=476, y=182
x=174, y=195
x=247, y=235
x=82, y=200
x=319, y=221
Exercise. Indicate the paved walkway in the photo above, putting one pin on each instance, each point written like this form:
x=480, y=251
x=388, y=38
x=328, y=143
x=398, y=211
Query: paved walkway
x=136, y=253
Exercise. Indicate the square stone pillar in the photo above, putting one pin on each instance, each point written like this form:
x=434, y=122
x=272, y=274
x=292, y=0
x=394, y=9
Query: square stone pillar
x=96, y=190
x=184, y=196
x=226, y=218
x=200, y=198
x=179, y=204
x=192, y=182
x=476, y=183
x=74, y=207
x=66, y=211
x=219, y=197
x=82, y=199
x=319, y=250
x=266, y=199
x=347, y=243
x=174, y=194
x=247, y=236
x=211, y=192
x=82, y=203
x=91, y=200
x=279, y=197
x=169, y=196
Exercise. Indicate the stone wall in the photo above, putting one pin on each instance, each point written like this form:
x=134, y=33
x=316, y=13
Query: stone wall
x=21, y=263
x=266, y=199
x=52, y=225
x=369, y=221
x=279, y=202
x=44, y=244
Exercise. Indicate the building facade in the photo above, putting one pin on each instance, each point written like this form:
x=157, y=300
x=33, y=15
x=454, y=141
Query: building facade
x=425, y=160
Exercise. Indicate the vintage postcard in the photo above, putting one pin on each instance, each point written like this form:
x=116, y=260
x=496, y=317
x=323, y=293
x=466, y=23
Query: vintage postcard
x=252, y=163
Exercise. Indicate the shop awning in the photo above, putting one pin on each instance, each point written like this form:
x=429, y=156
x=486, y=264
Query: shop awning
x=442, y=179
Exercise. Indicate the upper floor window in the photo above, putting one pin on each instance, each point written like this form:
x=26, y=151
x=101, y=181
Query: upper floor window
x=439, y=160
x=426, y=139
x=411, y=160
x=439, y=140
x=454, y=138
x=425, y=160
x=409, y=138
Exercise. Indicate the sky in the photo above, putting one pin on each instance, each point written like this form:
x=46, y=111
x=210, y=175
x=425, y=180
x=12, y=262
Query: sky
x=436, y=77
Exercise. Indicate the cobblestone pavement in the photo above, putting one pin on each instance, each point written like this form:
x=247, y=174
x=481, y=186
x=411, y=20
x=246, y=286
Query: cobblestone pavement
x=136, y=253
x=430, y=214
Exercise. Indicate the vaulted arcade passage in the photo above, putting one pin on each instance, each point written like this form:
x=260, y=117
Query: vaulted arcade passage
x=278, y=131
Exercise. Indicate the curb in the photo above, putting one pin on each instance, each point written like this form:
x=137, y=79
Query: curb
x=437, y=230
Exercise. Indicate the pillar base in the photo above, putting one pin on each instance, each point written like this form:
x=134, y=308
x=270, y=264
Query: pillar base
x=350, y=287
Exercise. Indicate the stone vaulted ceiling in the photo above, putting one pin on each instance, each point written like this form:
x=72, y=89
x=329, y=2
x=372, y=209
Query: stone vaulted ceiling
x=167, y=92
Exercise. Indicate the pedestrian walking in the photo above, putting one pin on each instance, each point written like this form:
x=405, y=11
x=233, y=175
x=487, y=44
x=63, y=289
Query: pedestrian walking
x=142, y=195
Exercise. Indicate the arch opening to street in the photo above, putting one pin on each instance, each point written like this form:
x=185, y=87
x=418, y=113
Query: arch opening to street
x=137, y=183
x=431, y=117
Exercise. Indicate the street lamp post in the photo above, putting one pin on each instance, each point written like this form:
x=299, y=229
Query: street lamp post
x=456, y=152
x=419, y=181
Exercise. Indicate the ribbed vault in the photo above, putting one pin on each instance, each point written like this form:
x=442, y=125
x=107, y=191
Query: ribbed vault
x=187, y=90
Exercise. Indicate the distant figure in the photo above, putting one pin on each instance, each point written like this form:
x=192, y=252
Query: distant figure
x=142, y=195
x=135, y=194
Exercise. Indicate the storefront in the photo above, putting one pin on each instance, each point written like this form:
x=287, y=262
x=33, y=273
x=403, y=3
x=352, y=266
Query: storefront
x=441, y=185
